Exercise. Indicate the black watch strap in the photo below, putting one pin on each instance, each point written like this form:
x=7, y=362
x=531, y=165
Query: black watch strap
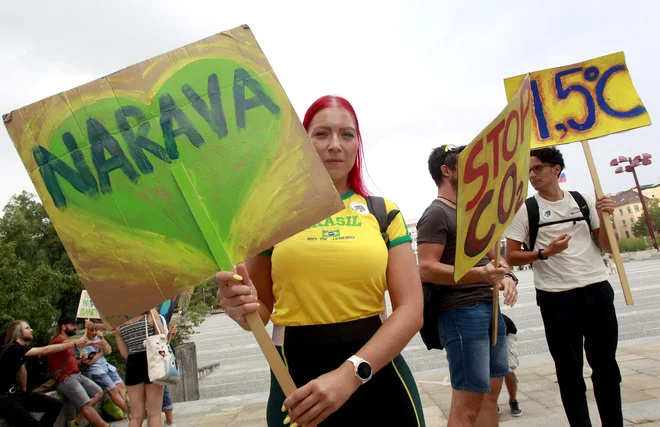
x=541, y=254
x=513, y=276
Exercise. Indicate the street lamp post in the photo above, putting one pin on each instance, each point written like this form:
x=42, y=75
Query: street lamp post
x=643, y=160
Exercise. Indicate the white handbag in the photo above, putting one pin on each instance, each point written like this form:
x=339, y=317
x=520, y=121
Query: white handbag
x=163, y=367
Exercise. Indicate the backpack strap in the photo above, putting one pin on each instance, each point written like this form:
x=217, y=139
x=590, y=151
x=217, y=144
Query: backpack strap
x=378, y=209
x=584, y=208
x=533, y=218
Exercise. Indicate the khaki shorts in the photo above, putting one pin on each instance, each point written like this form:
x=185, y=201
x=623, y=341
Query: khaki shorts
x=78, y=389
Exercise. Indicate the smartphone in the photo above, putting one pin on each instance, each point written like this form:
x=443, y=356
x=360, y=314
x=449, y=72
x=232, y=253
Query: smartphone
x=91, y=355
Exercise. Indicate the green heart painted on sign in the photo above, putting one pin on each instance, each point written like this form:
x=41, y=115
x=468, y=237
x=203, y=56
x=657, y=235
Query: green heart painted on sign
x=103, y=159
x=123, y=141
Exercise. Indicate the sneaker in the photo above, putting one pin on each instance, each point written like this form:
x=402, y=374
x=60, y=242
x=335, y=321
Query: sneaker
x=515, y=408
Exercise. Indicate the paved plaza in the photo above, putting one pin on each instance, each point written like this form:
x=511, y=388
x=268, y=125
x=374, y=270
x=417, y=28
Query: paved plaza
x=538, y=395
x=244, y=371
x=234, y=394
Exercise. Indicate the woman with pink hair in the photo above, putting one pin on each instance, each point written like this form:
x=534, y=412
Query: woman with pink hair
x=324, y=288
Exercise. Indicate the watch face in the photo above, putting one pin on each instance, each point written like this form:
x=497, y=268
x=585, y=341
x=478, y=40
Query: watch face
x=364, y=370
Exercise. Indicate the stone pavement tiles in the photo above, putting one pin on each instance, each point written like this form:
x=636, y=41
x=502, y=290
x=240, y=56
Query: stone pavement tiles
x=538, y=395
x=538, y=392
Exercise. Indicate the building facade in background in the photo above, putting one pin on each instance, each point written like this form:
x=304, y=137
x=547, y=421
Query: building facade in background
x=628, y=209
x=651, y=191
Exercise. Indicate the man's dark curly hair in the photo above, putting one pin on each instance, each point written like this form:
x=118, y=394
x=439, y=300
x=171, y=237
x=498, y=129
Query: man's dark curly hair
x=443, y=156
x=549, y=155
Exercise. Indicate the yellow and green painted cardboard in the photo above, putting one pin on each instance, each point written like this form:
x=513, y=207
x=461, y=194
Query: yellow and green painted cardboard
x=158, y=175
x=582, y=101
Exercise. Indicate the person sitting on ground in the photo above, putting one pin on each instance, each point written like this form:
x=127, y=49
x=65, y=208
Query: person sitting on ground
x=100, y=371
x=16, y=403
x=70, y=383
x=511, y=380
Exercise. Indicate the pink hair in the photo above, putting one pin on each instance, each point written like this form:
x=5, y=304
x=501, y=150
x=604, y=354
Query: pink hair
x=355, y=180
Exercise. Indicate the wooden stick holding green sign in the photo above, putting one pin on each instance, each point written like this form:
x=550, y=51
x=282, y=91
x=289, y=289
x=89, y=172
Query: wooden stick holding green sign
x=160, y=174
x=256, y=324
x=583, y=101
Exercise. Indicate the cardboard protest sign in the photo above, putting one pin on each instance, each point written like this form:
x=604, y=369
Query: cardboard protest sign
x=582, y=101
x=492, y=180
x=166, y=309
x=86, y=307
x=174, y=305
x=109, y=160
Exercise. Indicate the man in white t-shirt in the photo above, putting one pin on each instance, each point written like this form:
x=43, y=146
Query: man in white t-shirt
x=572, y=291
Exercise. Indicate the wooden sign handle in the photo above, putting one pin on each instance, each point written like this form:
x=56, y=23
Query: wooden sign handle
x=272, y=356
x=222, y=260
x=607, y=224
x=496, y=299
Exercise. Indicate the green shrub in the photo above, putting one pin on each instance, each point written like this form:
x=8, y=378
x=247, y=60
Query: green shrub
x=634, y=244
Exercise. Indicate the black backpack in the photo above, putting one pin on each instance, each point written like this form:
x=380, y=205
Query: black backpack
x=432, y=298
x=432, y=293
x=534, y=218
x=429, y=331
x=378, y=209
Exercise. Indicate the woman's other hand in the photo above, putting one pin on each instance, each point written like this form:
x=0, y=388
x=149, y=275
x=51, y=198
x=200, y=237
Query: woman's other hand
x=319, y=398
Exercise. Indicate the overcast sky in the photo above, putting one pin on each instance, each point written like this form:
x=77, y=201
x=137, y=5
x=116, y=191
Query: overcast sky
x=419, y=73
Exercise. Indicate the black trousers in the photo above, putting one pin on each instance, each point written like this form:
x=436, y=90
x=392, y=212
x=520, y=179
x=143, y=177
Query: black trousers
x=571, y=318
x=390, y=398
x=16, y=408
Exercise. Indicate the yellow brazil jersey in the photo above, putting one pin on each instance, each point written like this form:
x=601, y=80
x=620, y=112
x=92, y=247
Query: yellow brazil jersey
x=334, y=271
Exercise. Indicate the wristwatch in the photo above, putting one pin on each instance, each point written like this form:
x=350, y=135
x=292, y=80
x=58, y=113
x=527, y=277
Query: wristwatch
x=541, y=254
x=361, y=368
x=513, y=276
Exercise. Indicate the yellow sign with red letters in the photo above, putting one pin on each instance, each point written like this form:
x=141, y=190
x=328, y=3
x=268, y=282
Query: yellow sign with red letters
x=492, y=180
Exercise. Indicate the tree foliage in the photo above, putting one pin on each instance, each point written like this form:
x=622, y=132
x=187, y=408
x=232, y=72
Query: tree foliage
x=640, y=229
x=202, y=301
x=38, y=282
